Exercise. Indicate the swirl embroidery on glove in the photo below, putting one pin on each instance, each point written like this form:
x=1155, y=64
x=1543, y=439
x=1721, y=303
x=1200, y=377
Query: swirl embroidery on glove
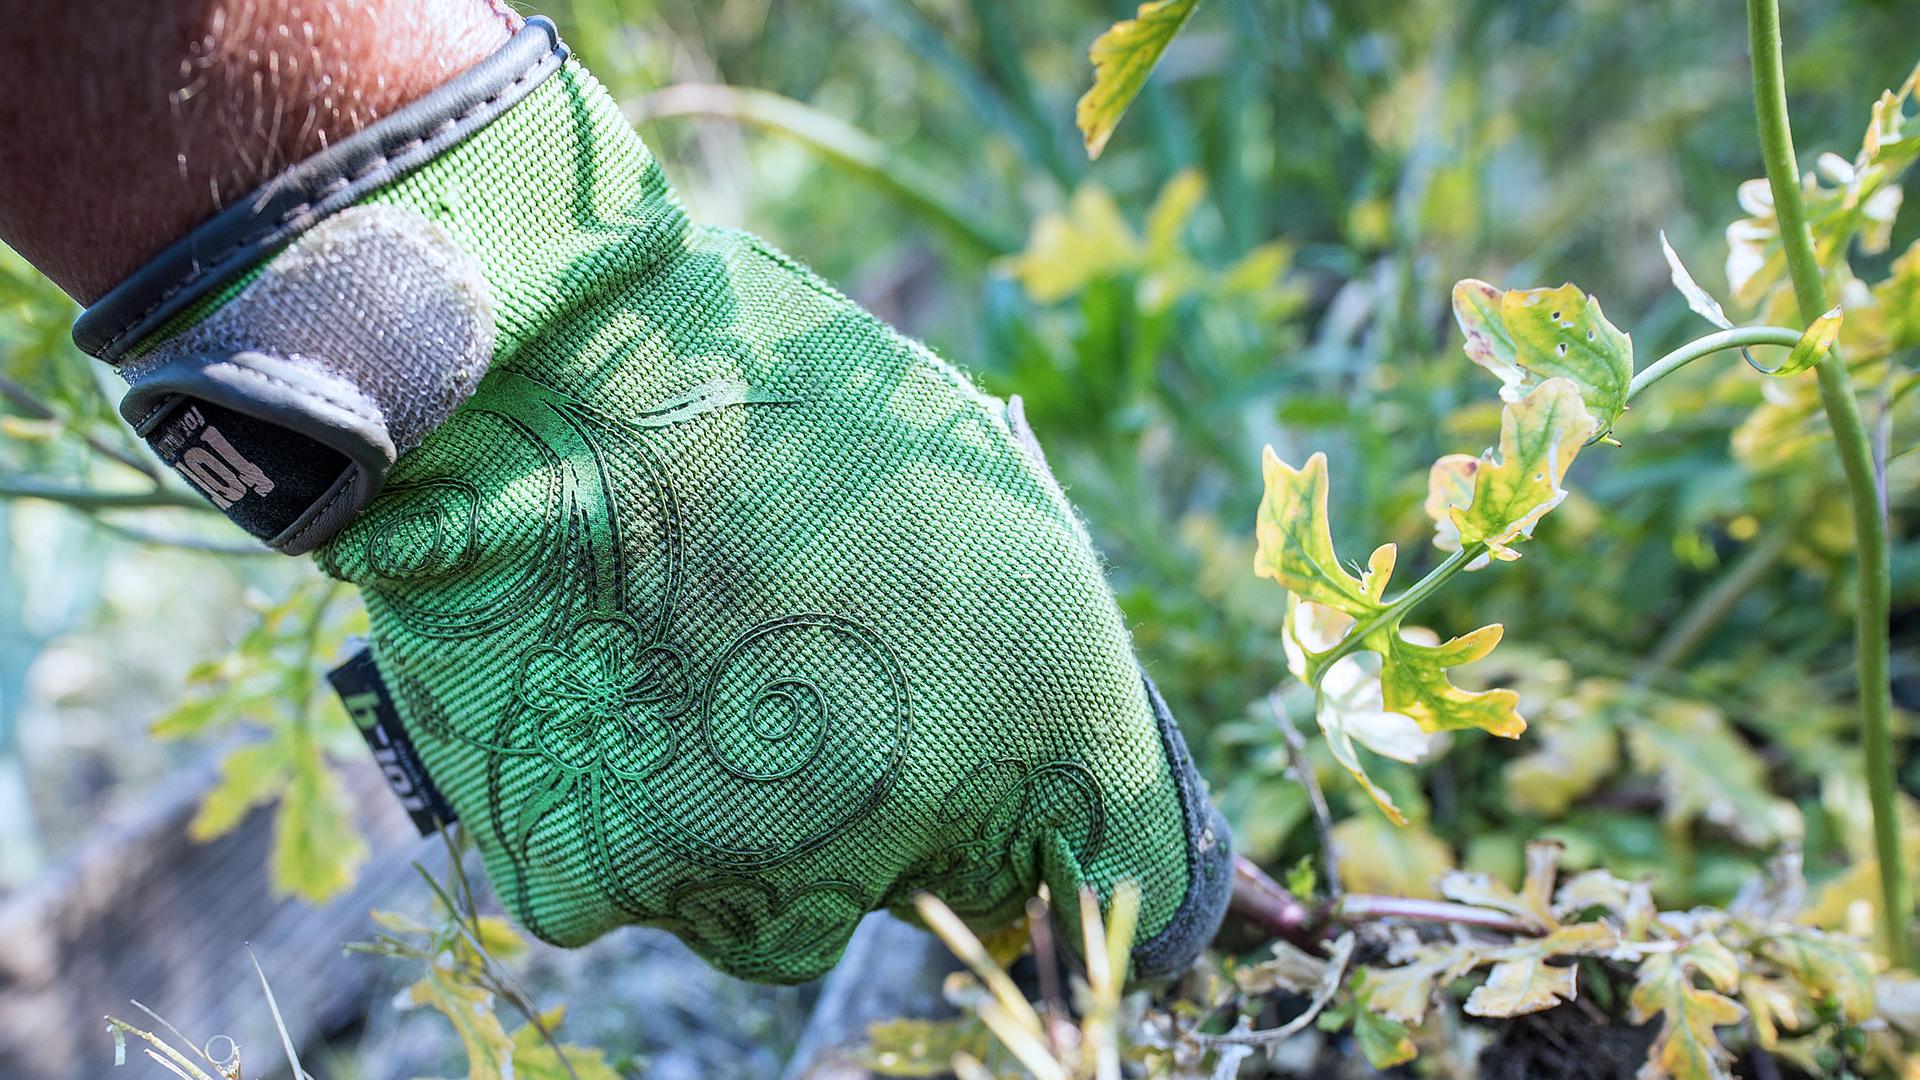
x=740, y=760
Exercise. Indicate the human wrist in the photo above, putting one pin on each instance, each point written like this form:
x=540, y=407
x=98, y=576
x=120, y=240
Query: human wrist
x=354, y=300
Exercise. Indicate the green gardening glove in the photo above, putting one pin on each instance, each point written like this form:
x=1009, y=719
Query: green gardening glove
x=705, y=599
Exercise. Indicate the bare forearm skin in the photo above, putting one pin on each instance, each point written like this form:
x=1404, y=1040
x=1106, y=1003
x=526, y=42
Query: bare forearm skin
x=125, y=123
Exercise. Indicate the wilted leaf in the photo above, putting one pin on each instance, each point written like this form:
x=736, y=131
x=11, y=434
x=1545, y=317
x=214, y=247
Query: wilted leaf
x=1405, y=992
x=1701, y=301
x=1534, y=901
x=1524, y=978
x=1688, y=1048
x=1528, y=336
x=317, y=848
x=1291, y=969
x=1123, y=57
x=1539, y=436
x=489, y=1049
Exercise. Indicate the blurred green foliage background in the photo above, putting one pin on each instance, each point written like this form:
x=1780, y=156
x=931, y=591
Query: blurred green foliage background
x=1262, y=255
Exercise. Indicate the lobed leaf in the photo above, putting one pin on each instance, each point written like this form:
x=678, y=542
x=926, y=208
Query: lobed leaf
x=489, y=1049
x=535, y=1057
x=1525, y=978
x=1529, y=336
x=1688, y=1048
x=1296, y=542
x=317, y=849
x=1123, y=57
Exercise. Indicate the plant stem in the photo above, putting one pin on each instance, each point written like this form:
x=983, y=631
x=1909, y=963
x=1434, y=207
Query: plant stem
x=1851, y=439
x=1715, y=604
x=1738, y=338
x=1400, y=608
x=1358, y=908
x=92, y=499
x=1262, y=902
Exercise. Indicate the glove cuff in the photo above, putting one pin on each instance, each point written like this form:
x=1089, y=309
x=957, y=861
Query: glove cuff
x=286, y=353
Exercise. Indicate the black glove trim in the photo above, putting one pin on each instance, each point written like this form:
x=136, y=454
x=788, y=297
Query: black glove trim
x=236, y=239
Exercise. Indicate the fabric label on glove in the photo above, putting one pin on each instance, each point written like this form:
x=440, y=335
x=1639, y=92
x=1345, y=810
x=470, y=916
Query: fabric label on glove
x=261, y=475
x=364, y=693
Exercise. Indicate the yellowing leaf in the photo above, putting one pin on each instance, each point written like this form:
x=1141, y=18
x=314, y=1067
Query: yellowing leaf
x=1413, y=681
x=489, y=1049
x=1574, y=751
x=1405, y=694
x=1524, y=979
x=1350, y=705
x=1688, y=1047
x=1846, y=202
x=1383, y=1042
x=1813, y=346
x=536, y=1058
x=317, y=849
x=1376, y=857
x=1899, y=296
x=1707, y=772
x=1123, y=57
x=1529, y=336
x=1404, y=993
x=250, y=776
x=1450, y=484
x=1067, y=251
x=922, y=1048
x=1296, y=541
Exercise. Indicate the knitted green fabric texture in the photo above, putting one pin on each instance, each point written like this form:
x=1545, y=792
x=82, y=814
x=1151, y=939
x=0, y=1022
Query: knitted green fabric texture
x=722, y=607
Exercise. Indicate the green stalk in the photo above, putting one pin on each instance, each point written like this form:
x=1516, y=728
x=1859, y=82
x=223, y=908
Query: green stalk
x=1851, y=439
x=1399, y=608
x=1738, y=338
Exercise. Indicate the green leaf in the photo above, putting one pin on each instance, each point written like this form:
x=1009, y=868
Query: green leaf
x=922, y=1048
x=1688, y=1047
x=1383, y=1042
x=1123, y=57
x=489, y=1049
x=1528, y=336
x=1831, y=969
x=250, y=776
x=1701, y=301
x=317, y=848
x=1813, y=346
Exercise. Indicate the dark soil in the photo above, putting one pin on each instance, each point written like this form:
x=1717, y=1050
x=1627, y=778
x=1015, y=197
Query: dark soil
x=1566, y=1043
